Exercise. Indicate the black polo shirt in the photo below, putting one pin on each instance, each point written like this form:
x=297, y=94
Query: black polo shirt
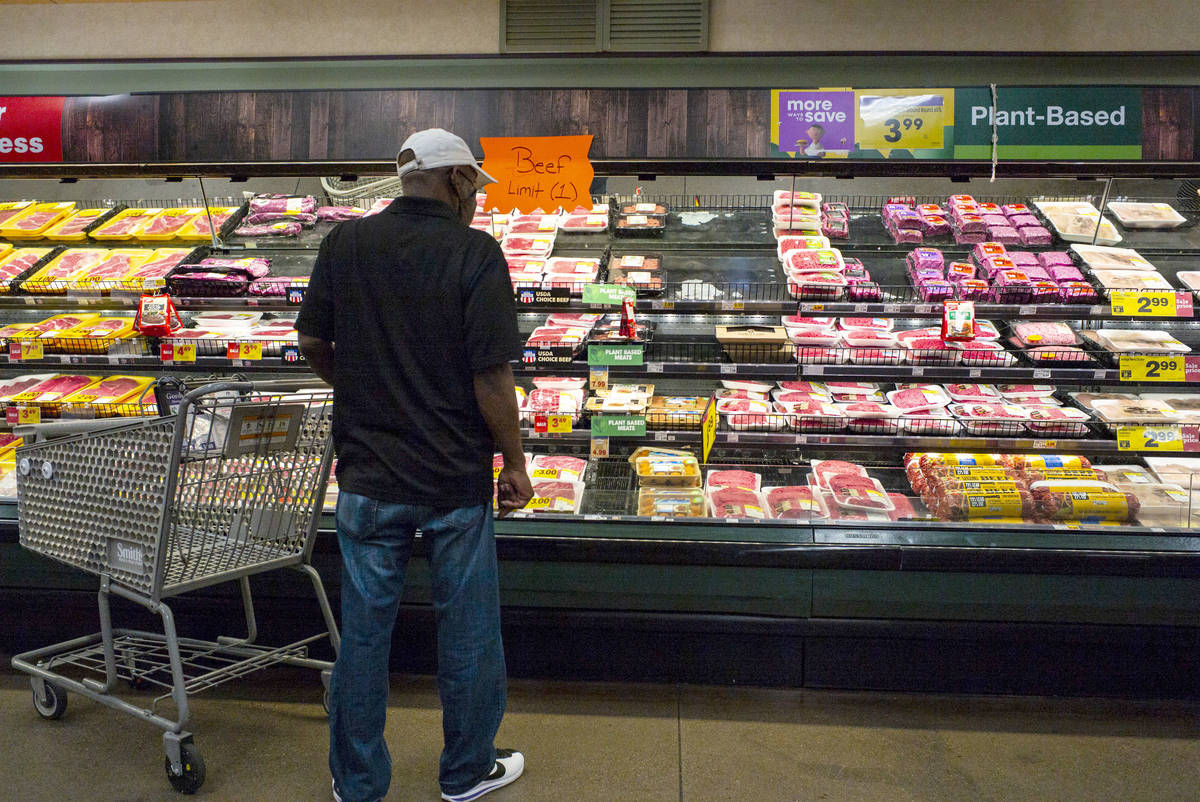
x=415, y=303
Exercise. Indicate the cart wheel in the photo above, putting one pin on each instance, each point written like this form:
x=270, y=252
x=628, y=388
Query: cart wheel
x=55, y=703
x=325, y=701
x=192, y=777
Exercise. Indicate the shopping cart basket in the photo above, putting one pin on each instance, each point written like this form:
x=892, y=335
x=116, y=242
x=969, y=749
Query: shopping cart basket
x=229, y=486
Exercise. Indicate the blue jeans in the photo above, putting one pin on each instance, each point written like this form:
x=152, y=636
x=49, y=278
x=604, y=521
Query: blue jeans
x=376, y=540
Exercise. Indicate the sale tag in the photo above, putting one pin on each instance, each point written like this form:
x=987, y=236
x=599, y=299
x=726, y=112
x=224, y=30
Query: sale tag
x=250, y=352
x=559, y=424
x=26, y=350
x=1137, y=368
x=184, y=352
x=901, y=119
x=1150, y=438
x=708, y=428
x=1137, y=303
x=23, y=416
x=538, y=172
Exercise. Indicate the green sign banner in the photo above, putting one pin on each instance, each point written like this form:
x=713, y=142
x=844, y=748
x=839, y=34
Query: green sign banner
x=616, y=355
x=607, y=294
x=618, y=426
x=1047, y=122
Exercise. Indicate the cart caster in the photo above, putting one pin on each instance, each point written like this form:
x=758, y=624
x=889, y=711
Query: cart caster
x=325, y=701
x=191, y=776
x=53, y=704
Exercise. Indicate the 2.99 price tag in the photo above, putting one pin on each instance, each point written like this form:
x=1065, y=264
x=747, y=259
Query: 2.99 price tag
x=1153, y=368
x=1150, y=438
x=1136, y=303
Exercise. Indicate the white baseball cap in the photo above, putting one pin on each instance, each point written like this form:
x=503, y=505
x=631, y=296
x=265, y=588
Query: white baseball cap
x=437, y=147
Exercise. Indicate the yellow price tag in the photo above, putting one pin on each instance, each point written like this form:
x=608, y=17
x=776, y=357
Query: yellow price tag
x=185, y=352
x=252, y=352
x=33, y=350
x=538, y=504
x=1149, y=438
x=558, y=424
x=901, y=121
x=1153, y=368
x=29, y=415
x=544, y=473
x=708, y=428
x=1134, y=303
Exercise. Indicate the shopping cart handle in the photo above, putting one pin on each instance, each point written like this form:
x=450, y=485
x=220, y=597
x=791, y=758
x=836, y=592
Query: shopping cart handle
x=275, y=386
x=40, y=432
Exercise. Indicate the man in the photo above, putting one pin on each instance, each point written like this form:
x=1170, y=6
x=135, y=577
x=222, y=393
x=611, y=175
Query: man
x=410, y=316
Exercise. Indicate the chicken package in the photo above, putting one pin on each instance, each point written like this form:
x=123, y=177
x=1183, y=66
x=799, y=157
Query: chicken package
x=1099, y=257
x=545, y=467
x=732, y=477
x=564, y=497
x=795, y=502
x=733, y=502
x=1139, y=411
x=1146, y=215
x=1150, y=341
x=1079, y=222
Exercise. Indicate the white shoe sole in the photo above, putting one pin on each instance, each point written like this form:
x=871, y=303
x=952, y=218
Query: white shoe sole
x=486, y=787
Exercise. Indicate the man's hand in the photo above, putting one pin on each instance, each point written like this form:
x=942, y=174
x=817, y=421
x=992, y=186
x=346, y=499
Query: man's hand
x=513, y=489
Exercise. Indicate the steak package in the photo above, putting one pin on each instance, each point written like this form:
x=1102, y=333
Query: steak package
x=215, y=277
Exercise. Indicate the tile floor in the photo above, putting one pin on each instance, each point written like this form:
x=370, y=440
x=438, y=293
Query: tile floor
x=266, y=739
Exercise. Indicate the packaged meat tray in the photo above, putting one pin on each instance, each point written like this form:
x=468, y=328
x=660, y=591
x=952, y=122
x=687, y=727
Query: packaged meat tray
x=10, y=388
x=801, y=322
x=1166, y=505
x=1184, y=471
x=793, y=242
x=811, y=416
x=1058, y=353
x=971, y=505
x=275, y=286
x=112, y=390
x=152, y=273
x=217, y=277
x=1098, y=257
x=564, y=497
x=527, y=244
x=745, y=384
x=735, y=478
x=545, y=467
x=202, y=226
x=811, y=200
x=34, y=221
x=55, y=389
x=1035, y=235
x=1124, y=477
x=812, y=336
x=926, y=258
x=982, y=354
x=739, y=393
x=861, y=493
x=1086, y=506
x=1025, y=390
x=1131, y=280
x=534, y=224
x=732, y=502
x=675, y=412
x=1118, y=411
x=584, y=223
x=109, y=273
x=795, y=502
x=1146, y=215
x=124, y=225
x=338, y=214
x=671, y=502
x=277, y=228
x=1030, y=334
x=16, y=262
x=167, y=224
x=868, y=409
x=1150, y=341
x=973, y=393
x=936, y=226
x=825, y=470
x=728, y=406
x=812, y=261
x=10, y=209
x=71, y=228
x=660, y=209
x=889, y=353
x=637, y=261
x=629, y=225
x=856, y=324
x=1076, y=292
x=755, y=344
x=1077, y=222
x=1063, y=421
x=60, y=271
x=92, y=336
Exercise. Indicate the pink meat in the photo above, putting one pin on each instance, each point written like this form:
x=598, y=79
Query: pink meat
x=813, y=322
x=794, y=503
x=911, y=399
x=34, y=221
x=1050, y=333
x=799, y=387
x=339, y=213
x=857, y=491
x=57, y=324
x=8, y=214
x=519, y=243
x=740, y=405
x=218, y=219
x=70, y=263
x=20, y=385
x=158, y=268
x=796, y=397
x=573, y=464
x=166, y=224
x=105, y=327
x=904, y=508
x=60, y=386
x=76, y=224
x=829, y=469
x=18, y=265
x=124, y=225
x=114, y=267
x=732, y=502
x=545, y=400
x=555, y=491
x=735, y=479
x=114, y=388
x=867, y=409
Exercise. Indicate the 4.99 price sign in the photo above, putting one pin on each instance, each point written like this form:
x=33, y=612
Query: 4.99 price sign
x=31, y=129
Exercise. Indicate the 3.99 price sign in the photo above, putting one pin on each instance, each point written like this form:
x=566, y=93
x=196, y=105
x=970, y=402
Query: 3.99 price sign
x=31, y=129
x=901, y=121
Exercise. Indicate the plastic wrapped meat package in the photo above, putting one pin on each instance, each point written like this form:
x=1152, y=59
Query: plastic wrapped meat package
x=991, y=419
x=1119, y=411
x=1131, y=280
x=1146, y=215
x=560, y=497
x=546, y=467
x=584, y=223
x=795, y=502
x=33, y=221
x=527, y=244
x=57, y=274
x=1061, y=421
x=1150, y=341
x=17, y=261
x=277, y=228
x=1031, y=334
x=169, y=223
x=110, y=272
x=55, y=389
x=811, y=416
x=152, y=273
x=124, y=225
x=1098, y=257
x=1077, y=221
x=916, y=400
x=10, y=209
x=735, y=502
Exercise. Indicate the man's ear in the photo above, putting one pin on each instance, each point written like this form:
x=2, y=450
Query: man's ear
x=464, y=183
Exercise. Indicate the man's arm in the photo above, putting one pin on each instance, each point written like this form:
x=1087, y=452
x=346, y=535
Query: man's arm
x=497, y=399
x=319, y=354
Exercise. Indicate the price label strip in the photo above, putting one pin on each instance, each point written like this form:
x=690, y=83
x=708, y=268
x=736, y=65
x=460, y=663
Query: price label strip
x=901, y=121
x=1139, y=303
x=1159, y=438
x=19, y=351
x=1137, y=368
x=23, y=416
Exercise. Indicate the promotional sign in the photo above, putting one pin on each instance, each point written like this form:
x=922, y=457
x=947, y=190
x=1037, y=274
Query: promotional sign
x=845, y=123
x=1050, y=122
x=538, y=172
x=1158, y=438
x=815, y=122
x=629, y=355
x=1138, y=368
x=708, y=429
x=618, y=426
x=1145, y=303
x=31, y=129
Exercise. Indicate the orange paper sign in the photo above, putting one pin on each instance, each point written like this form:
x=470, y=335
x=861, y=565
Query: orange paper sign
x=538, y=172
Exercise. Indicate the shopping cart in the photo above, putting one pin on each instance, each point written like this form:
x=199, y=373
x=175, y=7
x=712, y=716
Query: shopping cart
x=229, y=486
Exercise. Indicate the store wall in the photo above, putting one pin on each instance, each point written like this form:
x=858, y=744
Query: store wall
x=245, y=28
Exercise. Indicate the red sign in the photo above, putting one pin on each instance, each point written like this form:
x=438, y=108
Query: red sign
x=31, y=129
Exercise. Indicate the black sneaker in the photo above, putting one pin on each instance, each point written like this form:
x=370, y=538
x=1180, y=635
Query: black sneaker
x=508, y=768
